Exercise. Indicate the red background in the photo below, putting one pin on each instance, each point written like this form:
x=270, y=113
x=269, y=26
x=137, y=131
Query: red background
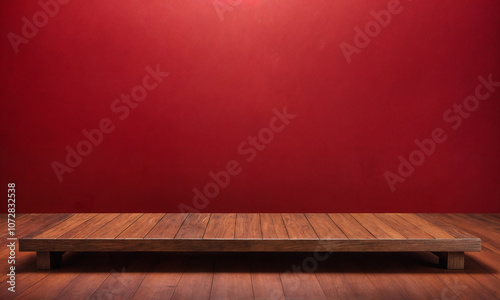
x=353, y=120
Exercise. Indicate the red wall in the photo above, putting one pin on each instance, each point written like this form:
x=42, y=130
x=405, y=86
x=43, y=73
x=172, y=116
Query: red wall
x=229, y=65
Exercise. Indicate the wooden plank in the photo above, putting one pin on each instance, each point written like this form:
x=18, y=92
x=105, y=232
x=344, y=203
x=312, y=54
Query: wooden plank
x=273, y=227
x=221, y=226
x=28, y=228
x=342, y=276
x=48, y=287
x=461, y=282
x=194, y=226
x=116, y=226
x=97, y=267
x=266, y=282
x=298, y=227
x=438, y=221
x=229, y=244
x=85, y=229
x=167, y=227
x=377, y=227
x=297, y=283
x=64, y=226
x=196, y=282
x=232, y=279
x=426, y=226
x=162, y=277
x=402, y=226
x=141, y=227
x=123, y=283
x=248, y=227
x=324, y=227
x=351, y=227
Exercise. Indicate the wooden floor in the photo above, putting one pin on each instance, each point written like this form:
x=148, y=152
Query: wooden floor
x=146, y=275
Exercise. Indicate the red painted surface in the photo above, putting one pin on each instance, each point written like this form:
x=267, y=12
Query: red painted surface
x=348, y=123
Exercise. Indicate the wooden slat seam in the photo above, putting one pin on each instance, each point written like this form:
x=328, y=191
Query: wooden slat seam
x=365, y=227
x=319, y=238
x=284, y=225
x=338, y=227
x=206, y=226
x=144, y=237
x=437, y=227
x=130, y=224
x=408, y=238
x=183, y=221
x=56, y=224
x=101, y=227
x=71, y=228
x=234, y=232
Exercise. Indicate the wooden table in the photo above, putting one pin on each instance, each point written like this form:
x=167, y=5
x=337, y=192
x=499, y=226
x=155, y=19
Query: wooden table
x=231, y=232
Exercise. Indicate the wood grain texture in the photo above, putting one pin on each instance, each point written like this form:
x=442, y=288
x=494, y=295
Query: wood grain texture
x=221, y=226
x=249, y=233
x=298, y=227
x=200, y=275
x=273, y=226
x=404, y=227
x=413, y=275
x=324, y=227
x=248, y=227
x=377, y=227
x=426, y=226
x=167, y=227
x=232, y=245
x=64, y=226
x=89, y=227
x=351, y=227
x=193, y=227
x=114, y=227
x=232, y=279
x=141, y=227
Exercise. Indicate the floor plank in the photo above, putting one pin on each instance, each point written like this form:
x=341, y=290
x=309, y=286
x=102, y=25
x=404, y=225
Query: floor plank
x=64, y=226
x=377, y=227
x=301, y=285
x=232, y=279
x=266, y=281
x=350, y=226
x=273, y=227
x=89, y=227
x=167, y=227
x=402, y=226
x=194, y=226
x=196, y=282
x=248, y=227
x=141, y=227
x=221, y=226
x=124, y=282
x=298, y=227
x=426, y=226
x=324, y=227
x=341, y=276
x=114, y=227
x=162, y=277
